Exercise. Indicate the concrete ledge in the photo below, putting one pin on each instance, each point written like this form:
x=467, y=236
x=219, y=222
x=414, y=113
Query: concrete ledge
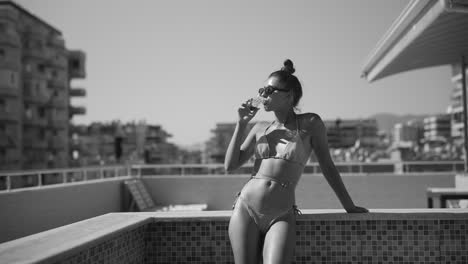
x=325, y=214
x=139, y=236
x=56, y=244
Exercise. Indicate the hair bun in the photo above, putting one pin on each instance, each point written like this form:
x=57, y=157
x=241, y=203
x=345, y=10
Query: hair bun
x=288, y=66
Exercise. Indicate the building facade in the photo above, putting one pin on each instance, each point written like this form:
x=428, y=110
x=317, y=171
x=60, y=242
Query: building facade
x=437, y=128
x=35, y=74
x=216, y=146
x=116, y=143
x=346, y=133
x=456, y=108
x=408, y=133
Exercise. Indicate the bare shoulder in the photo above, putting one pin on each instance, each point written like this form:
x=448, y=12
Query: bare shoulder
x=310, y=122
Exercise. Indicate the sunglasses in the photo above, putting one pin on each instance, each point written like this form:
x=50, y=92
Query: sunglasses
x=269, y=90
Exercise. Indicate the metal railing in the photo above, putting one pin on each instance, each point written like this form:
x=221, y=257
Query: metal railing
x=38, y=178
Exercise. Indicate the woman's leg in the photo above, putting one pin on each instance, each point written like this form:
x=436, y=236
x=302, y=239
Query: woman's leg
x=280, y=241
x=244, y=236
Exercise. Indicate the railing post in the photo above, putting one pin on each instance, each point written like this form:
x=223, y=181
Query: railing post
x=182, y=170
x=8, y=182
x=39, y=180
x=64, y=177
x=85, y=175
x=116, y=172
x=101, y=173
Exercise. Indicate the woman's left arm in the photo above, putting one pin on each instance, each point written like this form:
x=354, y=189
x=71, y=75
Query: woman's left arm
x=319, y=143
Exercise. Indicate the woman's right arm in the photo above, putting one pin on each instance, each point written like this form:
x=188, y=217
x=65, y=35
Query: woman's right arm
x=238, y=154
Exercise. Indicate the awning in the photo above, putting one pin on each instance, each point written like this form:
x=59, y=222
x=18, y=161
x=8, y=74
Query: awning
x=427, y=33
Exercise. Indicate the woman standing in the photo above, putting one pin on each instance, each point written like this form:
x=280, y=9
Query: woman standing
x=263, y=221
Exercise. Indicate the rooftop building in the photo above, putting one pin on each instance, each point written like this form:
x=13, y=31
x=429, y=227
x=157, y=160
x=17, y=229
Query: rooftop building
x=35, y=73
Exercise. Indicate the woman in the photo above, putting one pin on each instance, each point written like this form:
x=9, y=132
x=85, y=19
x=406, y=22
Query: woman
x=263, y=221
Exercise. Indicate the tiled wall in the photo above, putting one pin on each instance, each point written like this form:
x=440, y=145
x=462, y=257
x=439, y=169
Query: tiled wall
x=317, y=241
x=329, y=241
x=188, y=242
x=127, y=247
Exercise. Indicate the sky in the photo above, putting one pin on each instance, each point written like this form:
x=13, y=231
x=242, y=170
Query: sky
x=187, y=65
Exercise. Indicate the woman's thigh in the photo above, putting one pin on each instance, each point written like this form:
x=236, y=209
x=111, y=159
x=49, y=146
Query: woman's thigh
x=280, y=241
x=244, y=236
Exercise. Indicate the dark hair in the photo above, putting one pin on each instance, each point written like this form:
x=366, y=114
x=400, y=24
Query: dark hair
x=285, y=75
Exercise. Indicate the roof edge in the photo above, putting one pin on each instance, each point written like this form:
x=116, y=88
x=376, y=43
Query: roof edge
x=399, y=27
x=22, y=9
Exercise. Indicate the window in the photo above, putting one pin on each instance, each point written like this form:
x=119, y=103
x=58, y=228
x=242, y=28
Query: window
x=75, y=64
x=41, y=68
x=41, y=112
x=2, y=54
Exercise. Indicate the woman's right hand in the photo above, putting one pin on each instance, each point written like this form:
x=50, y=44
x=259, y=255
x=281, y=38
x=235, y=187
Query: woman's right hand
x=246, y=112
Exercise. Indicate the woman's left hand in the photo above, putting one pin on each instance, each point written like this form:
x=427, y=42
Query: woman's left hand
x=357, y=210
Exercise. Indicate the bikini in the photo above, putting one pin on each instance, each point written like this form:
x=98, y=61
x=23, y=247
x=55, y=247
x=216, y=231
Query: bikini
x=294, y=152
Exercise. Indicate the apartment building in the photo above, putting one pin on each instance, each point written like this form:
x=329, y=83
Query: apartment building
x=437, y=128
x=106, y=143
x=35, y=73
x=410, y=132
x=345, y=133
x=456, y=107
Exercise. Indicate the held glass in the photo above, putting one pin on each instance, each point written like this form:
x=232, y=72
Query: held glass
x=256, y=102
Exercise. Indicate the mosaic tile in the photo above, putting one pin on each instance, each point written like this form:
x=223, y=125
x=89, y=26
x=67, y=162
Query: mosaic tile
x=400, y=241
x=126, y=247
x=327, y=242
x=187, y=242
x=454, y=241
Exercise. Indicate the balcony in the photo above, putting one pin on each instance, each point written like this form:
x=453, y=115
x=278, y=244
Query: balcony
x=93, y=229
x=77, y=92
x=10, y=64
x=10, y=39
x=35, y=121
x=11, y=116
x=76, y=64
x=8, y=91
x=36, y=53
x=56, y=42
x=56, y=58
x=36, y=98
x=57, y=83
x=57, y=122
x=10, y=13
x=57, y=143
x=59, y=101
x=34, y=143
x=77, y=110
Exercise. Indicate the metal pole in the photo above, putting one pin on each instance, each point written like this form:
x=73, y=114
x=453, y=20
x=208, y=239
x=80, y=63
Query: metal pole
x=465, y=126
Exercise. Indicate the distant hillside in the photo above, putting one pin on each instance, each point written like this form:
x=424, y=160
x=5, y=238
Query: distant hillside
x=386, y=121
